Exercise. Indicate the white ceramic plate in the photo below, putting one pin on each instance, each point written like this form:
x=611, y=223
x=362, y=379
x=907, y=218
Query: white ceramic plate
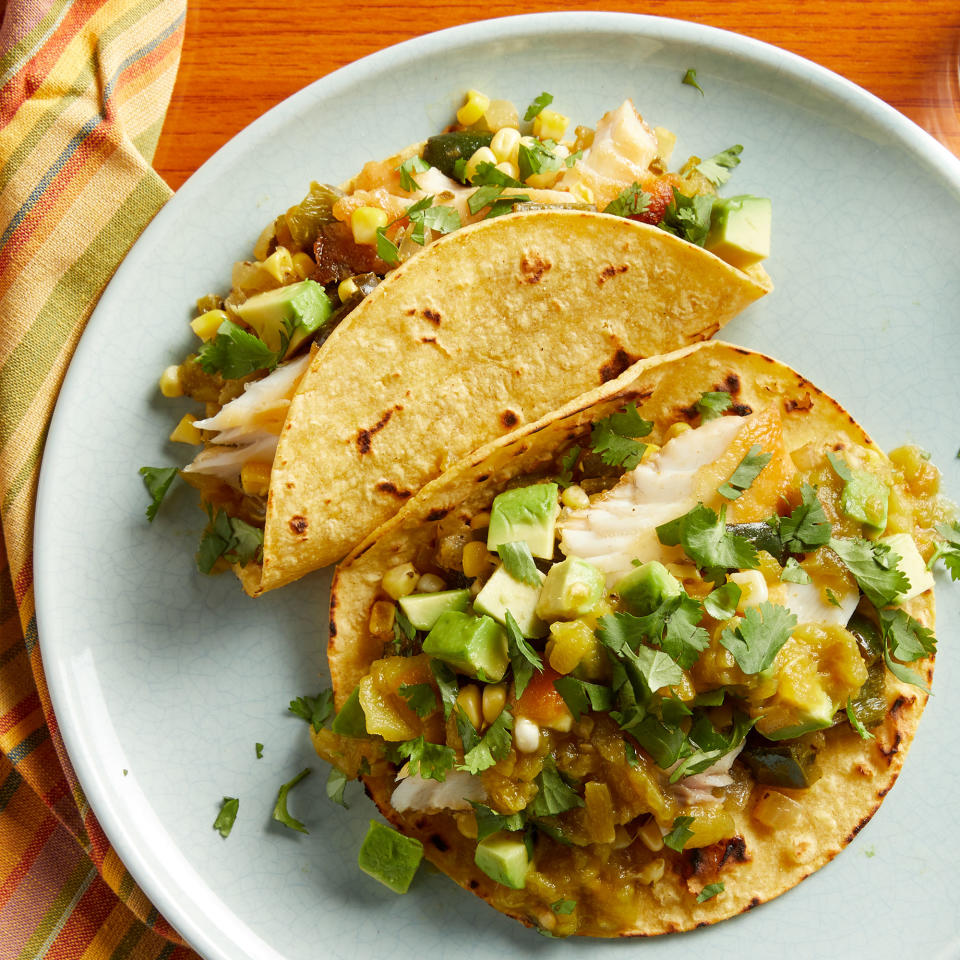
x=163, y=680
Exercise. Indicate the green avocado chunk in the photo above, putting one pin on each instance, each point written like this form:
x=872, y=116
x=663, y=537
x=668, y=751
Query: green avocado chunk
x=865, y=499
x=502, y=593
x=644, y=589
x=293, y=311
x=503, y=858
x=525, y=513
x=424, y=609
x=350, y=721
x=476, y=646
x=572, y=589
x=390, y=857
x=740, y=230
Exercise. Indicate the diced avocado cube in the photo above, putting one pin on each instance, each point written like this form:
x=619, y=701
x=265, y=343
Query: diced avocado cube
x=423, y=609
x=644, y=589
x=476, y=646
x=911, y=564
x=572, y=589
x=293, y=311
x=390, y=857
x=350, y=721
x=525, y=513
x=864, y=498
x=502, y=593
x=504, y=858
x=740, y=230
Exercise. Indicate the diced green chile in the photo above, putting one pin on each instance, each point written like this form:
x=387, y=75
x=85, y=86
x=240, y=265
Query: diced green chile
x=445, y=149
x=868, y=638
x=762, y=536
x=791, y=765
x=870, y=704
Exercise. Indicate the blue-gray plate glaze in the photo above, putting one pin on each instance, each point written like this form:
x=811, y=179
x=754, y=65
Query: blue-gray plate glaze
x=163, y=680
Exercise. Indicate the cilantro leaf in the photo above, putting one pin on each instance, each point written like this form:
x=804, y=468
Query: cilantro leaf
x=748, y=469
x=613, y=438
x=706, y=540
x=314, y=710
x=235, y=353
x=717, y=168
x=567, y=463
x=832, y=598
x=663, y=741
x=688, y=217
x=518, y=562
x=387, y=250
x=505, y=205
x=710, y=891
x=468, y=732
x=537, y=105
x=581, y=696
x=231, y=538
x=227, y=816
x=490, y=822
x=680, y=833
x=793, y=573
x=424, y=213
x=874, y=567
x=905, y=640
x=157, y=480
x=536, y=157
x=712, y=404
x=447, y=682
x=708, y=745
x=336, y=783
x=487, y=174
x=494, y=745
x=690, y=79
x=483, y=196
x=807, y=527
x=259, y=749
x=409, y=167
x=864, y=733
x=572, y=158
x=421, y=698
x=432, y=761
x=280, y=812
x=554, y=794
x=523, y=658
x=563, y=907
x=623, y=634
x=721, y=603
x=757, y=640
x=948, y=550
x=631, y=201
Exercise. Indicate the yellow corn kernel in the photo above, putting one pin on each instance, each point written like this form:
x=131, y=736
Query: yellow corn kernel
x=365, y=221
x=347, y=289
x=185, y=431
x=753, y=588
x=170, y=382
x=582, y=193
x=494, y=698
x=382, y=615
x=255, y=477
x=430, y=583
x=481, y=521
x=506, y=144
x=550, y=125
x=675, y=429
x=544, y=180
x=666, y=141
x=206, y=325
x=482, y=155
x=469, y=699
x=474, y=108
x=652, y=449
x=500, y=115
x=303, y=265
x=279, y=265
x=575, y=498
x=477, y=559
x=650, y=836
x=652, y=872
x=400, y=581
x=467, y=824
x=509, y=169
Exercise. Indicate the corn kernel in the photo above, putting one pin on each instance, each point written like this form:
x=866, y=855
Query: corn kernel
x=506, y=144
x=469, y=699
x=550, y=125
x=280, y=265
x=467, y=824
x=481, y=155
x=303, y=265
x=753, y=588
x=481, y=521
x=508, y=169
x=185, y=431
x=666, y=141
x=675, y=429
x=365, y=221
x=543, y=180
x=347, y=289
x=255, y=477
x=575, y=498
x=650, y=451
x=430, y=583
x=652, y=872
x=206, y=325
x=474, y=108
x=650, y=836
x=170, y=382
x=400, y=581
x=477, y=560
x=382, y=615
x=494, y=698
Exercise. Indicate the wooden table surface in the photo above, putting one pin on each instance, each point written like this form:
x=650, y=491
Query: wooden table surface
x=241, y=58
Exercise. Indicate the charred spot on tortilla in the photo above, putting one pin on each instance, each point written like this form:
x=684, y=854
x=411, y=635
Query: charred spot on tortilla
x=332, y=627
x=900, y=703
x=610, y=271
x=803, y=405
x=385, y=486
x=428, y=339
x=742, y=409
x=365, y=436
x=894, y=747
x=858, y=827
x=484, y=478
x=439, y=842
x=619, y=362
x=533, y=267
x=437, y=514
x=428, y=313
x=509, y=419
x=298, y=524
x=707, y=862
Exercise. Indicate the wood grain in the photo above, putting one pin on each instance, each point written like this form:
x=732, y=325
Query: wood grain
x=240, y=58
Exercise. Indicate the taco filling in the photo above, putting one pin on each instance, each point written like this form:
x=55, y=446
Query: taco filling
x=607, y=691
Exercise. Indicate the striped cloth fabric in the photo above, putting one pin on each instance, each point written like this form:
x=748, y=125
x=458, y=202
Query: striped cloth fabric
x=84, y=85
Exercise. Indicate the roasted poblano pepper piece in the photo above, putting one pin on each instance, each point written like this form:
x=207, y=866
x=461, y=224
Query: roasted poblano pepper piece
x=792, y=765
x=444, y=150
x=762, y=536
x=870, y=704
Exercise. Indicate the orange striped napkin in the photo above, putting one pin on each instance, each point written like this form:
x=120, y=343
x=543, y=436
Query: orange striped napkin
x=84, y=85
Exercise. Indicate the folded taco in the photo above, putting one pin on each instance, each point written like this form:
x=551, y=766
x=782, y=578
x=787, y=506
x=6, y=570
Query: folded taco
x=642, y=665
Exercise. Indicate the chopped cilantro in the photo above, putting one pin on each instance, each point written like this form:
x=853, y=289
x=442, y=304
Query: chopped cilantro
x=226, y=817
x=259, y=749
x=441, y=218
x=490, y=822
x=421, y=698
x=706, y=745
x=447, y=682
x=623, y=635
x=680, y=833
x=581, y=696
x=280, y=812
x=536, y=157
x=721, y=603
x=905, y=640
x=157, y=480
x=537, y=105
x=432, y=761
x=864, y=733
x=761, y=633
x=874, y=567
x=387, y=250
x=235, y=353
x=712, y=404
x=948, y=550
x=631, y=752
x=748, y=469
x=632, y=200
x=717, y=168
x=409, y=167
x=690, y=79
x=807, y=527
x=518, y=562
x=314, y=710
x=832, y=598
x=494, y=745
x=523, y=658
x=554, y=794
x=336, y=783
x=231, y=538
x=563, y=907
x=404, y=633
x=567, y=463
x=487, y=174
x=688, y=217
x=572, y=158
x=709, y=892
x=613, y=438
x=483, y=196
x=706, y=540
x=505, y=205
x=793, y=573
x=468, y=732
